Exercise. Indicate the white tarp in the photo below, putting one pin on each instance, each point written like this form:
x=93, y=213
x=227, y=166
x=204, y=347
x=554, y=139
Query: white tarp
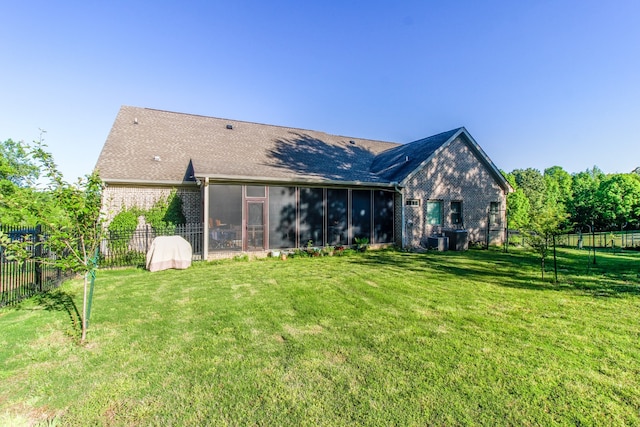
x=169, y=252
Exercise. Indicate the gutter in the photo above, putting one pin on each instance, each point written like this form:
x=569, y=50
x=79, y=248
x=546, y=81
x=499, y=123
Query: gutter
x=243, y=179
x=108, y=181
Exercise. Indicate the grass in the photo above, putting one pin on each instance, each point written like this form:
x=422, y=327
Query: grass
x=381, y=338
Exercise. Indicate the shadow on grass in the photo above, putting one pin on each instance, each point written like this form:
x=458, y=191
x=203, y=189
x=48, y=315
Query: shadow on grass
x=614, y=275
x=58, y=300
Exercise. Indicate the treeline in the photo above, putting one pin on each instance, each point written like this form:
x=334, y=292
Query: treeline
x=556, y=201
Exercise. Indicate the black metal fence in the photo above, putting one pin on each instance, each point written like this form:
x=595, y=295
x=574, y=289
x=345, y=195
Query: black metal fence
x=127, y=247
x=22, y=279
x=119, y=248
x=604, y=239
x=628, y=239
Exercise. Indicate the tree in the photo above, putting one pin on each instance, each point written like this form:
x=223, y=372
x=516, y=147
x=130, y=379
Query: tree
x=537, y=206
x=543, y=228
x=532, y=184
x=518, y=206
x=582, y=206
x=76, y=234
x=518, y=209
x=18, y=173
x=16, y=166
x=561, y=181
x=618, y=198
x=70, y=213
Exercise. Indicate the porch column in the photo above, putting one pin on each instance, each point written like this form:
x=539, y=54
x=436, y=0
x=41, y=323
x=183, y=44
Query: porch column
x=205, y=220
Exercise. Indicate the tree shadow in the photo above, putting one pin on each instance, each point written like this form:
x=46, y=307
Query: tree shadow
x=58, y=300
x=338, y=160
x=520, y=270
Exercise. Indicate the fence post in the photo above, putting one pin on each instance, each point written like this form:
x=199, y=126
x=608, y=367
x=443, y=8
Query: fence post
x=146, y=238
x=37, y=254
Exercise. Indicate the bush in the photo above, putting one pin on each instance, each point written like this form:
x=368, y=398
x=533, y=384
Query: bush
x=121, y=229
x=165, y=214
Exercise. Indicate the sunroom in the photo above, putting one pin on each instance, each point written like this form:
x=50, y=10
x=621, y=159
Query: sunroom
x=259, y=217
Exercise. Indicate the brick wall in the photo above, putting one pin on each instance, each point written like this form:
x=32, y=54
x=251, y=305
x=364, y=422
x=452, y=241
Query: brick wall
x=455, y=174
x=118, y=197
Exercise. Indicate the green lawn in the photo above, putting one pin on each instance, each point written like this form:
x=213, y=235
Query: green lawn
x=381, y=338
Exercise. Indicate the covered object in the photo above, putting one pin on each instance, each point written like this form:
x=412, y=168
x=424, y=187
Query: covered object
x=169, y=252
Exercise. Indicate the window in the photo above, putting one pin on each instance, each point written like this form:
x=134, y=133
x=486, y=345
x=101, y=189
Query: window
x=456, y=213
x=361, y=213
x=311, y=216
x=282, y=217
x=434, y=212
x=494, y=213
x=382, y=216
x=412, y=202
x=225, y=217
x=337, y=216
x=255, y=190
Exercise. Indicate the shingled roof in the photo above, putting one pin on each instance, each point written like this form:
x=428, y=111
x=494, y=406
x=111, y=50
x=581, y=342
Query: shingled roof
x=162, y=147
x=399, y=163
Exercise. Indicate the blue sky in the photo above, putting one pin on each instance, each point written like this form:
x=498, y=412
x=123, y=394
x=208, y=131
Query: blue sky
x=537, y=83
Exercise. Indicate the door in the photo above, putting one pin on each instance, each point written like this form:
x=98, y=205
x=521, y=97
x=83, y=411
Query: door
x=255, y=226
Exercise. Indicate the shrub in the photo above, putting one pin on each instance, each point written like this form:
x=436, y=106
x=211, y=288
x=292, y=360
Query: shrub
x=121, y=229
x=165, y=214
x=362, y=243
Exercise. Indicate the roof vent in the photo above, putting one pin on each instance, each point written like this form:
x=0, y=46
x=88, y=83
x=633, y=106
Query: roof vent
x=229, y=127
x=135, y=121
x=406, y=158
x=156, y=158
x=351, y=141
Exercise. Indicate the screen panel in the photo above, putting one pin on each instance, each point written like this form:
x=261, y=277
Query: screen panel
x=383, y=216
x=337, y=218
x=282, y=217
x=311, y=216
x=361, y=213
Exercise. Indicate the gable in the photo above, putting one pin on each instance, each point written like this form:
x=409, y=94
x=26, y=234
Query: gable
x=400, y=163
x=396, y=164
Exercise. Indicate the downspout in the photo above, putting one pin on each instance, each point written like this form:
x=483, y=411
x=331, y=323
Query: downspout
x=396, y=187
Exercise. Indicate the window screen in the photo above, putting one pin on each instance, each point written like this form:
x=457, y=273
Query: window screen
x=383, y=217
x=255, y=191
x=282, y=217
x=361, y=213
x=225, y=217
x=337, y=208
x=494, y=213
x=311, y=216
x=456, y=213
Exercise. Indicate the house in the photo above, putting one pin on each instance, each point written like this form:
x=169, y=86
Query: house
x=258, y=187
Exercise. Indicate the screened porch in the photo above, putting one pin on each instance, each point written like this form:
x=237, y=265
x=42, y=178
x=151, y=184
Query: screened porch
x=260, y=217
